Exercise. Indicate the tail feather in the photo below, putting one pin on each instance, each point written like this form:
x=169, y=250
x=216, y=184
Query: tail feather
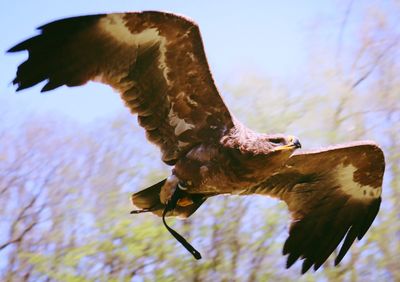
x=149, y=199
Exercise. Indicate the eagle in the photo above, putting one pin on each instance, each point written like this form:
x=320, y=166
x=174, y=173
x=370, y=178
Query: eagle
x=156, y=62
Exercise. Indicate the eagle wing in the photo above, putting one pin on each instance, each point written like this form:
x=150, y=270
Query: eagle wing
x=156, y=62
x=332, y=194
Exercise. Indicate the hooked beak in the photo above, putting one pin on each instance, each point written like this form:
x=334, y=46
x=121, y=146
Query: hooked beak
x=293, y=144
x=296, y=143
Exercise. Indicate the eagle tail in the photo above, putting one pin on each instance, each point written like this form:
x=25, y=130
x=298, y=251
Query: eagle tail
x=148, y=200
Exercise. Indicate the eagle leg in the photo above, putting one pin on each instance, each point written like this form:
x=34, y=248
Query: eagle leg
x=169, y=188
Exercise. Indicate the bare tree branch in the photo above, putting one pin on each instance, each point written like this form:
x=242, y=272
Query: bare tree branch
x=342, y=28
x=374, y=65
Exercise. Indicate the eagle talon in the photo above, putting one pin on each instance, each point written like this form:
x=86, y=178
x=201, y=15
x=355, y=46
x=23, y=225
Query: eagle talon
x=182, y=186
x=184, y=202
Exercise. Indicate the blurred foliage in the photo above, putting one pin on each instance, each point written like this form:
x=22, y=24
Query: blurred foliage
x=65, y=188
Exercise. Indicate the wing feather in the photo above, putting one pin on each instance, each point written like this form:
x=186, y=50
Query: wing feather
x=333, y=195
x=155, y=60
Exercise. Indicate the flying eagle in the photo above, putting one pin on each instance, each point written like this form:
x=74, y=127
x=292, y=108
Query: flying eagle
x=156, y=62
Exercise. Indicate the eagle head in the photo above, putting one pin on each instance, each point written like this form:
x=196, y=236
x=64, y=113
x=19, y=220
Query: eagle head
x=279, y=143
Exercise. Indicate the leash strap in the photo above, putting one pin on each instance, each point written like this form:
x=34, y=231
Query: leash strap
x=169, y=207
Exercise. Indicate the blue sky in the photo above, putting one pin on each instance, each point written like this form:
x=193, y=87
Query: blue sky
x=267, y=37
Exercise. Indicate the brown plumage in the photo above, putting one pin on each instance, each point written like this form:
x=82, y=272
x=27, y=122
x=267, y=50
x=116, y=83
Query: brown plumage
x=156, y=62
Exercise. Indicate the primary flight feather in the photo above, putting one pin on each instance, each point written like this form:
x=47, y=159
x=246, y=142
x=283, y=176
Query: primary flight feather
x=156, y=62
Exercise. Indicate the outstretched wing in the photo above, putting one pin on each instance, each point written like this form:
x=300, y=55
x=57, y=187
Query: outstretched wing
x=155, y=60
x=332, y=194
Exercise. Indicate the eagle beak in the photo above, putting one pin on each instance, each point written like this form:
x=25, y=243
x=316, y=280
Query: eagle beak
x=296, y=143
x=293, y=144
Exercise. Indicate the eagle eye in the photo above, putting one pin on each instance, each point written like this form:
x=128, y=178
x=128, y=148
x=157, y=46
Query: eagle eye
x=277, y=141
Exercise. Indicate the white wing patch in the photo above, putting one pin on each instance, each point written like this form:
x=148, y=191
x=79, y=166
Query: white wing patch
x=115, y=26
x=345, y=177
x=180, y=125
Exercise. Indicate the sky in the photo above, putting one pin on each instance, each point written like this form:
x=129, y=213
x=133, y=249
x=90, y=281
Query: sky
x=267, y=37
